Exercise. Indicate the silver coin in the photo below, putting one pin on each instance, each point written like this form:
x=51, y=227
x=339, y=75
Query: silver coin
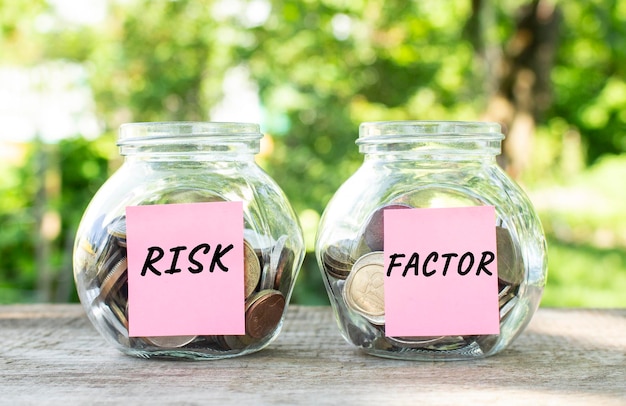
x=268, y=278
x=117, y=227
x=364, y=291
x=508, y=306
x=169, y=341
x=118, y=274
x=337, y=260
x=508, y=265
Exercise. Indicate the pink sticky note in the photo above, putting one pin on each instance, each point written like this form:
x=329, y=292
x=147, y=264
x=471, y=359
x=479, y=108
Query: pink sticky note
x=460, y=242
x=171, y=287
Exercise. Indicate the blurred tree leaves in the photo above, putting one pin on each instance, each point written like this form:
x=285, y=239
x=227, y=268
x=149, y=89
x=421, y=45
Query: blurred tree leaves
x=590, y=74
x=321, y=67
x=154, y=61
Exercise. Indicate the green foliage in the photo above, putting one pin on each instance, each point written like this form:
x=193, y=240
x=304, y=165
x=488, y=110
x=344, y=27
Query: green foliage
x=18, y=226
x=18, y=35
x=322, y=67
x=589, y=74
x=69, y=173
x=583, y=275
x=590, y=203
x=155, y=63
x=586, y=224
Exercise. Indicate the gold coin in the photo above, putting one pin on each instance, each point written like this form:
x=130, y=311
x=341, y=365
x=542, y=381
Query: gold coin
x=252, y=268
x=364, y=291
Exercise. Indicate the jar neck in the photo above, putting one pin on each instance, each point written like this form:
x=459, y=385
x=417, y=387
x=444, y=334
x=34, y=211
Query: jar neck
x=430, y=140
x=189, y=141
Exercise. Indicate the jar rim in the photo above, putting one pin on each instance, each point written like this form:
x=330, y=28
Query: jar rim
x=405, y=131
x=173, y=131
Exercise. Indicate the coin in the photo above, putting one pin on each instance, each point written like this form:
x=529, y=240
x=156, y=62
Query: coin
x=374, y=230
x=264, y=311
x=337, y=260
x=119, y=313
x=268, y=278
x=108, y=255
x=226, y=345
x=283, y=269
x=506, y=308
x=252, y=268
x=118, y=274
x=236, y=342
x=169, y=341
x=508, y=270
x=117, y=227
x=364, y=291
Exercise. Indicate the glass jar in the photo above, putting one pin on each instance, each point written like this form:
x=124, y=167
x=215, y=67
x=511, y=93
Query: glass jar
x=429, y=251
x=190, y=250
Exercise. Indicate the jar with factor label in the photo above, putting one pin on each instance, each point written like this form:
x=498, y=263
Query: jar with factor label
x=429, y=251
x=190, y=250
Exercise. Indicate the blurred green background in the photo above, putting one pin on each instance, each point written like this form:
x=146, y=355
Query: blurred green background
x=552, y=72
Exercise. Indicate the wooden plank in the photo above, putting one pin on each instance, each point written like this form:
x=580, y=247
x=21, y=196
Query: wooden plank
x=50, y=354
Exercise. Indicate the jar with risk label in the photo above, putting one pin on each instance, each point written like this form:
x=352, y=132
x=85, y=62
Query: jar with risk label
x=429, y=251
x=190, y=250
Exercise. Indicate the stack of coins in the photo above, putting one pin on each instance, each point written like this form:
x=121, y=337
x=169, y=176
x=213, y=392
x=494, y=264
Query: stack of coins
x=510, y=276
x=363, y=290
x=101, y=260
x=112, y=274
x=337, y=260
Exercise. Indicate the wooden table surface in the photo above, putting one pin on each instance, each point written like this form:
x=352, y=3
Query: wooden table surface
x=50, y=354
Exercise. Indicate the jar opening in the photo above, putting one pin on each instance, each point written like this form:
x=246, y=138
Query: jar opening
x=431, y=137
x=140, y=132
x=429, y=128
x=188, y=137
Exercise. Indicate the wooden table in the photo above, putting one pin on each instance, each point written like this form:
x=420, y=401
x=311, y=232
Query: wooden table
x=50, y=354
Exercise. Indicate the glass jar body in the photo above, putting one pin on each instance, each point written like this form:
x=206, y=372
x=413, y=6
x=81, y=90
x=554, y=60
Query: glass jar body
x=430, y=171
x=182, y=170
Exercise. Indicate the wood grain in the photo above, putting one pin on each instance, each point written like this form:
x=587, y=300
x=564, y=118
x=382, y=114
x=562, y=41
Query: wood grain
x=50, y=354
